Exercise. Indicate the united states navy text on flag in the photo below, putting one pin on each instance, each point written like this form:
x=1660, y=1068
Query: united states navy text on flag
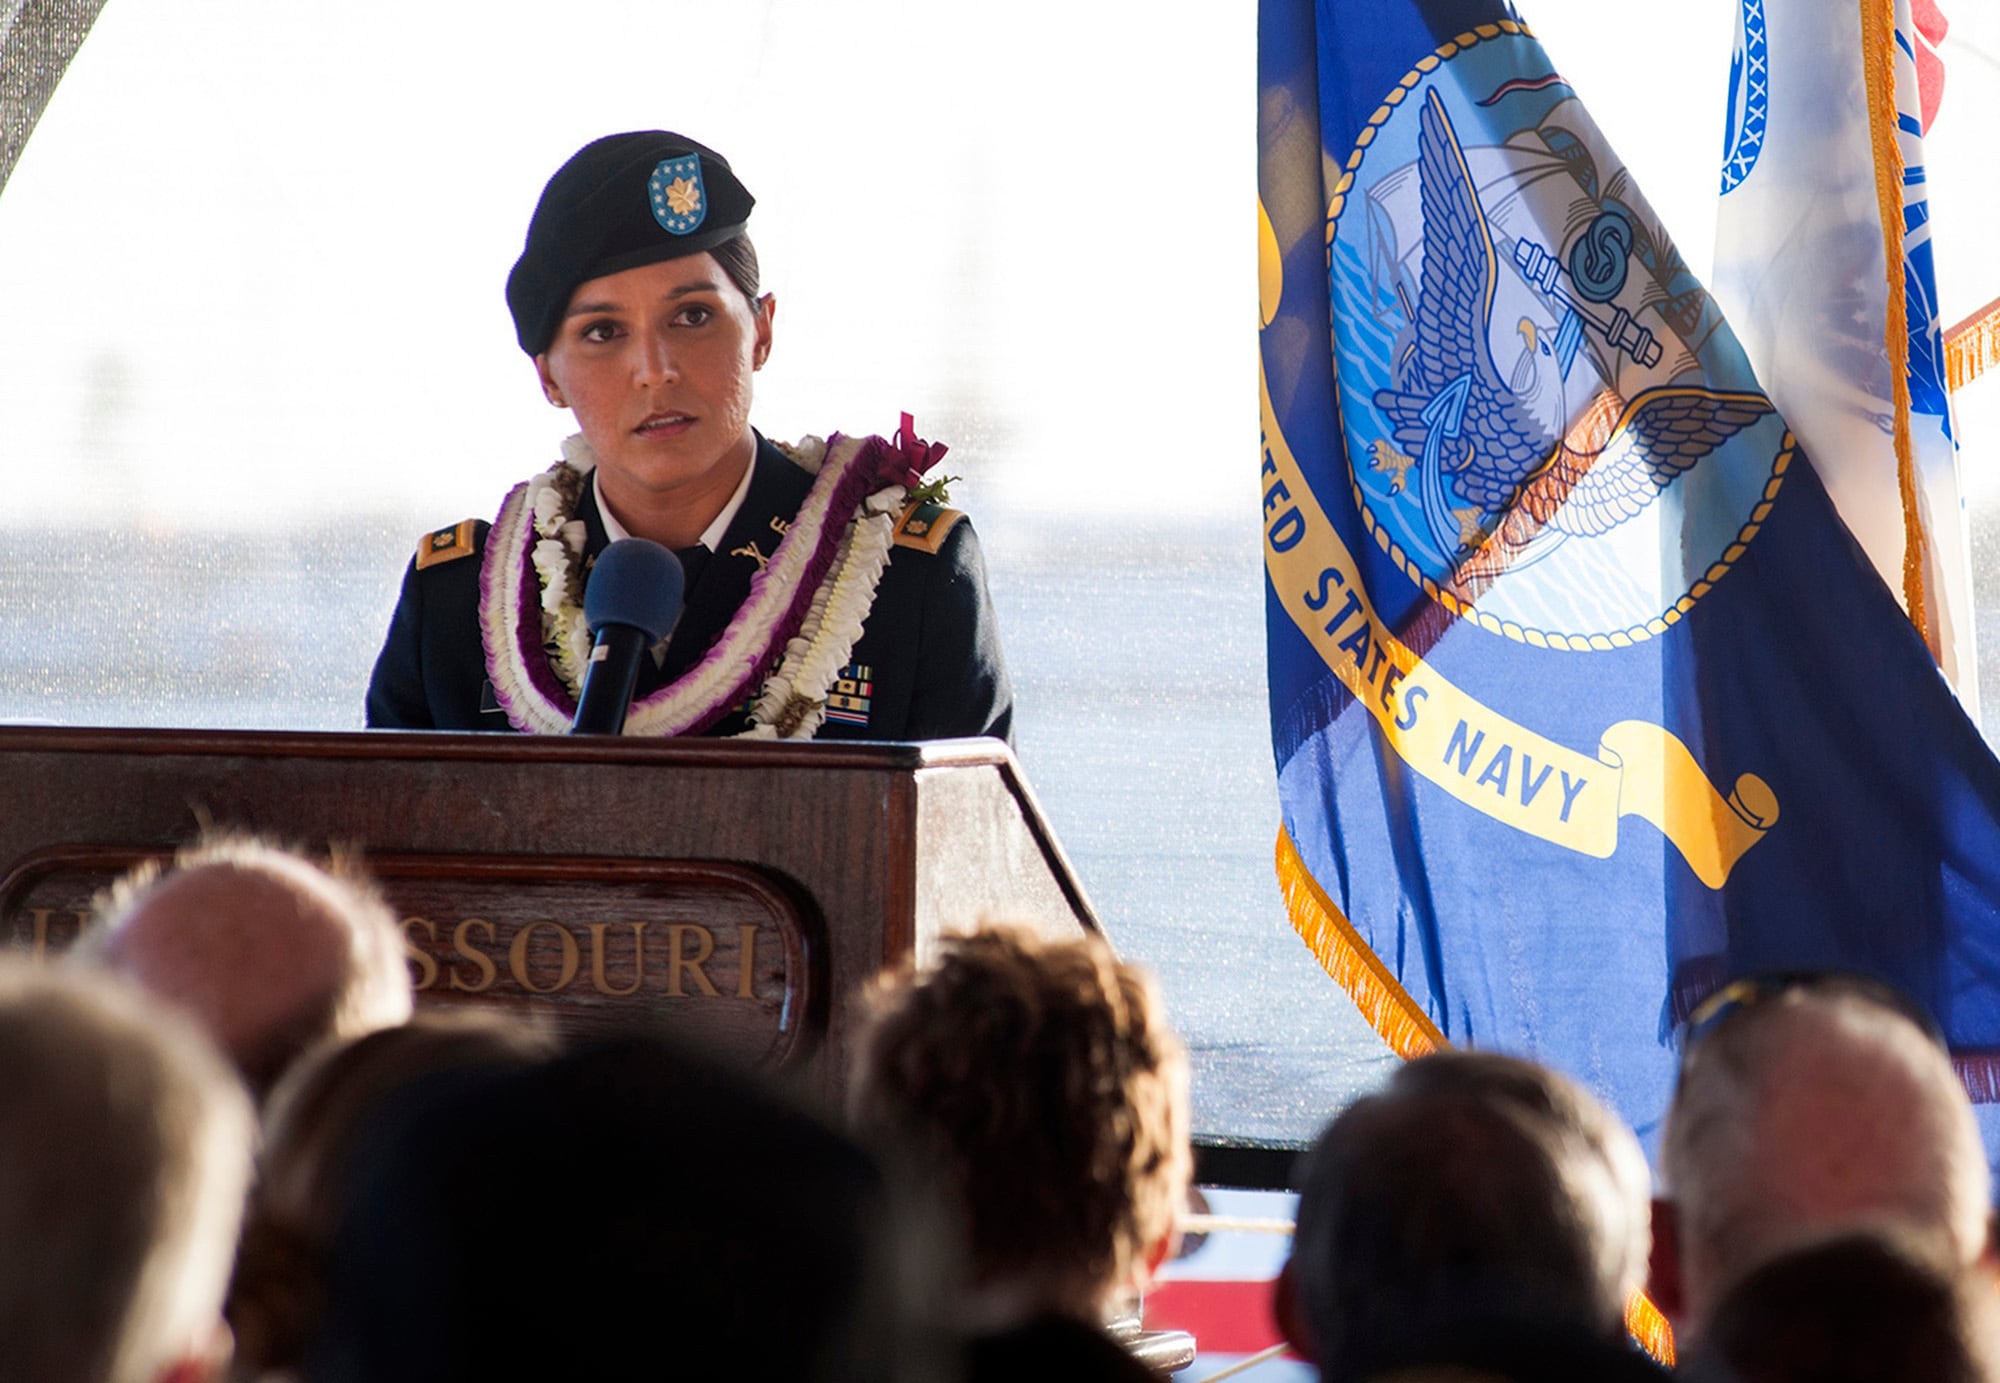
x=1583, y=699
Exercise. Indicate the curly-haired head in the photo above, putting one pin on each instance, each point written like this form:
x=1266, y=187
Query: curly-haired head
x=1042, y=1082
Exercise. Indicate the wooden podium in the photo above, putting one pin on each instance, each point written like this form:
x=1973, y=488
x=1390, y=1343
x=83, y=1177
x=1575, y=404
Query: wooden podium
x=740, y=892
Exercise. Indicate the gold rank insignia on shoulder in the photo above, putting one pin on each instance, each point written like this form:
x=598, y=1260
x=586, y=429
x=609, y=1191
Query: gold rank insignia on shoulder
x=445, y=545
x=925, y=524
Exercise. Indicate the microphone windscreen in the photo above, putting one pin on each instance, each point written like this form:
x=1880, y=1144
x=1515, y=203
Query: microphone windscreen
x=638, y=583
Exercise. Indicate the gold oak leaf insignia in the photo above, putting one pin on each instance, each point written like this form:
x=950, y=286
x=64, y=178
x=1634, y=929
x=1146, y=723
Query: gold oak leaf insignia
x=683, y=196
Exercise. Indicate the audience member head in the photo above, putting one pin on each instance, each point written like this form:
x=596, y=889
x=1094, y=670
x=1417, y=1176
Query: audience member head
x=1474, y=1191
x=127, y=1145
x=313, y=1121
x=622, y=1200
x=1807, y=1107
x=1038, y=1083
x=1859, y=1307
x=269, y=953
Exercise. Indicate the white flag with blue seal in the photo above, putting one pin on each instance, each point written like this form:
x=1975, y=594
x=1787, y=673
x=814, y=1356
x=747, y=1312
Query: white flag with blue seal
x=1823, y=267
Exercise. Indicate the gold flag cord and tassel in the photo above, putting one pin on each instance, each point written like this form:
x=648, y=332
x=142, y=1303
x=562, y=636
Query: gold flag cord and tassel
x=1878, y=47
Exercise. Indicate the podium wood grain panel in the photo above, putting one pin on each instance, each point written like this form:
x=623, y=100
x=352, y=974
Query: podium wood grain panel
x=721, y=951
x=844, y=857
x=717, y=950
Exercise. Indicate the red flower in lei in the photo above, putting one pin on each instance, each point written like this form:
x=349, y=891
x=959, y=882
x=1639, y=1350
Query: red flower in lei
x=904, y=460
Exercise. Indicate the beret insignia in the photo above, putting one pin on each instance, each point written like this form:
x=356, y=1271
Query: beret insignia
x=680, y=200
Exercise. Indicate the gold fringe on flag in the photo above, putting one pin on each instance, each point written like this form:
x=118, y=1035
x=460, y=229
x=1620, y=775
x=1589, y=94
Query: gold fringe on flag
x=1383, y=1001
x=1651, y=1329
x=1878, y=62
x=1407, y=1029
x=1973, y=346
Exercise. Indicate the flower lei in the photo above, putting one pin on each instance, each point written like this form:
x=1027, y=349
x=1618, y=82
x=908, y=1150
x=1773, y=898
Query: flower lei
x=803, y=615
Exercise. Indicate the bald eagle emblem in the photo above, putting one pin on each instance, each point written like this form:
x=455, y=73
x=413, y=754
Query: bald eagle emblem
x=1484, y=466
x=1525, y=365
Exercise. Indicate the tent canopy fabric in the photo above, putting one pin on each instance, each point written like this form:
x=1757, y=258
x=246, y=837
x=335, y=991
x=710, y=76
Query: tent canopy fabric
x=37, y=40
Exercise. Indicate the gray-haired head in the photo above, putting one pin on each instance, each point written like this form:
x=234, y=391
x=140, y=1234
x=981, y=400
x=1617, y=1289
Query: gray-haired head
x=1474, y=1188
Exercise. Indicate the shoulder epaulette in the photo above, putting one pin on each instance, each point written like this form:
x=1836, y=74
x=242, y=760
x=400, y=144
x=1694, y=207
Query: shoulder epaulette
x=446, y=545
x=925, y=524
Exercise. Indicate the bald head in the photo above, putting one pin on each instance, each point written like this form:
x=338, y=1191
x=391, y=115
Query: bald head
x=1814, y=1111
x=269, y=954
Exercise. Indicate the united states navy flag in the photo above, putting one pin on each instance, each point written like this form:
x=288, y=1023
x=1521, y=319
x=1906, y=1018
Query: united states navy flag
x=1583, y=699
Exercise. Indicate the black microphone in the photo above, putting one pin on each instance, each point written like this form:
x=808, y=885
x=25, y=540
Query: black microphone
x=631, y=603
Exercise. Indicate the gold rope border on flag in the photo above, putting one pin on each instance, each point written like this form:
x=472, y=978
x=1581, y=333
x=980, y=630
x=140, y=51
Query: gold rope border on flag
x=1603, y=641
x=1584, y=643
x=1878, y=63
x=1400, y=1021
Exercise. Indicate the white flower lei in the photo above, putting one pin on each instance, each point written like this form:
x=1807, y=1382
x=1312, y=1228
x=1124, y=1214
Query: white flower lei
x=558, y=558
x=793, y=702
x=536, y=523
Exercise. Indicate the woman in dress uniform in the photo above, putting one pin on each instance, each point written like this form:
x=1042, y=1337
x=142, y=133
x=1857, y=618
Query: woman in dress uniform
x=829, y=593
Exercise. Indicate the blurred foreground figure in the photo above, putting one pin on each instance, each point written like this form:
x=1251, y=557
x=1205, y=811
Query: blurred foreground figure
x=270, y=954
x=124, y=1151
x=1807, y=1105
x=1855, y=1308
x=313, y=1123
x=1037, y=1085
x=1481, y=1217
x=625, y=1209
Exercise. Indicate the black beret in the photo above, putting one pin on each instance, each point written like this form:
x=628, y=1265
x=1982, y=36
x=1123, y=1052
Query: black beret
x=621, y=201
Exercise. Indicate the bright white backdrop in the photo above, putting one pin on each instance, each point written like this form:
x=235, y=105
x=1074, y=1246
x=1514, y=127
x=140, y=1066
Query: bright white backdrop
x=252, y=341
x=250, y=263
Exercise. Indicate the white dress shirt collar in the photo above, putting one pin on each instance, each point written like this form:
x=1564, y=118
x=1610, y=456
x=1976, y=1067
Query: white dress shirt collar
x=712, y=535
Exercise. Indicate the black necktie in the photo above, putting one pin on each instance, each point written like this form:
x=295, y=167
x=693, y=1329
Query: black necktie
x=693, y=560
